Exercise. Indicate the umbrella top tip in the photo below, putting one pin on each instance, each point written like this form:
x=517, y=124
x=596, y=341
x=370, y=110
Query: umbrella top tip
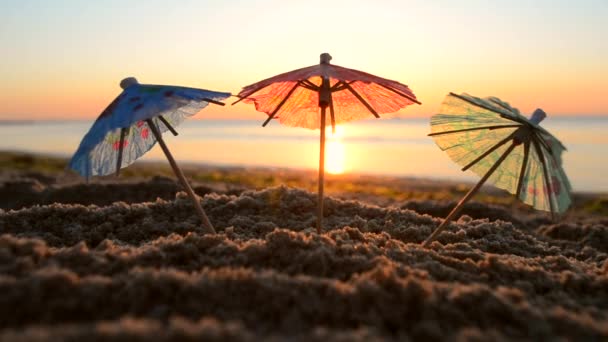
x=127, y=82
x=325, y=58
x=538, y=116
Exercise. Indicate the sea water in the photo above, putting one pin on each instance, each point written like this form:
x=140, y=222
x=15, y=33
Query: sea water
x=379, y=146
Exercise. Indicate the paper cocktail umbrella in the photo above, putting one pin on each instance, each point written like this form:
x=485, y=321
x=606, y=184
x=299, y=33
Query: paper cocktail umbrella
x=133, y=123
x=294, y=98
x=514, y=153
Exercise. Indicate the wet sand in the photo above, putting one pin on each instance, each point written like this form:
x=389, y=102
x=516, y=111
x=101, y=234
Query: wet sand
x=124, y=259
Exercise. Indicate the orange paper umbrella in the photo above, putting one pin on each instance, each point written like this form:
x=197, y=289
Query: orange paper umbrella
x=294, y=98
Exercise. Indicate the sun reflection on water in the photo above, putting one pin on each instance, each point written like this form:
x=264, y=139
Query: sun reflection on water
x=335, y=155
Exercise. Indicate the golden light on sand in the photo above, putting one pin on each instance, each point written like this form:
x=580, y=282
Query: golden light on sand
x=335, y=152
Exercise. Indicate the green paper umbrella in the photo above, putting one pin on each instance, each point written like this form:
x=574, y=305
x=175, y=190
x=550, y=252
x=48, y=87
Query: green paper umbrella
x=510, y=151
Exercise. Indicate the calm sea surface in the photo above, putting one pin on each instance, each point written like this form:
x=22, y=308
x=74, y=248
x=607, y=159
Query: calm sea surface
x=384, y=146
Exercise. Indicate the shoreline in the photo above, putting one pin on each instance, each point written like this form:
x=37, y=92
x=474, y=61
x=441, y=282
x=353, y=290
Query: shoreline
x=48, y=172
x=379, y=147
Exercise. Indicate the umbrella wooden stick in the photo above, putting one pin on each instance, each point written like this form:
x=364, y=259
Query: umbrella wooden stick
x=332, y=114
x=522, y=171
x=467, y=197
x=321, y=172
x=180, y=175
x=123, y=133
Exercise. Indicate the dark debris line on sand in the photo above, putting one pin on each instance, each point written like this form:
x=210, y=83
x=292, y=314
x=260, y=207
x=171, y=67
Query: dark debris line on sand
x=137, y=271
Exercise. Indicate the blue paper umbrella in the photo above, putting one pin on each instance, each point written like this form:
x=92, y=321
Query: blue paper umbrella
x=133, y=123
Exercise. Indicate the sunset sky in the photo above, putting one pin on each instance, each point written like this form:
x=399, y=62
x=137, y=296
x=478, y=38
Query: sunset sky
x=64, y=59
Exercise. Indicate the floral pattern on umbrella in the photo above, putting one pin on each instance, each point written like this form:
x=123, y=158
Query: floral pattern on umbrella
x=121, y=133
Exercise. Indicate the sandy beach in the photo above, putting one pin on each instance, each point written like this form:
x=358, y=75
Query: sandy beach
x=303, y=171
x=125, y=259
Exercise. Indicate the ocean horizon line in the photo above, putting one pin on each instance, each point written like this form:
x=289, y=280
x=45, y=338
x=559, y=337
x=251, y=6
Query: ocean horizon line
x=249, y=119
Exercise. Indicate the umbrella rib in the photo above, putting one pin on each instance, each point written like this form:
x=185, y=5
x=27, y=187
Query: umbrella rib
x=540, y=130
x=341, y=86
x=241, y=98
x=473, y=129
x=214, y=102
x=166, y=123
x=500, y=104
x=367, y=105
x=544, y=144
x=502, y=115
x=486, y=153
x=276, y=110
x=545, y=173
x=399, y=93
x=338, y=86
x=524, y=167
x=123, y=133
x=310, y=84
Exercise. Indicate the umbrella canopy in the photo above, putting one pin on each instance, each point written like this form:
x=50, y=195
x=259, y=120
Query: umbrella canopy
x=120, y=134
x=294, y=98
x=133, y=123
x=514, y=153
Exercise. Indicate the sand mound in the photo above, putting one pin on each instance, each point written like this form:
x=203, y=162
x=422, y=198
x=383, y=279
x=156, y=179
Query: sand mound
x=26, y=191
x=142, y=271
